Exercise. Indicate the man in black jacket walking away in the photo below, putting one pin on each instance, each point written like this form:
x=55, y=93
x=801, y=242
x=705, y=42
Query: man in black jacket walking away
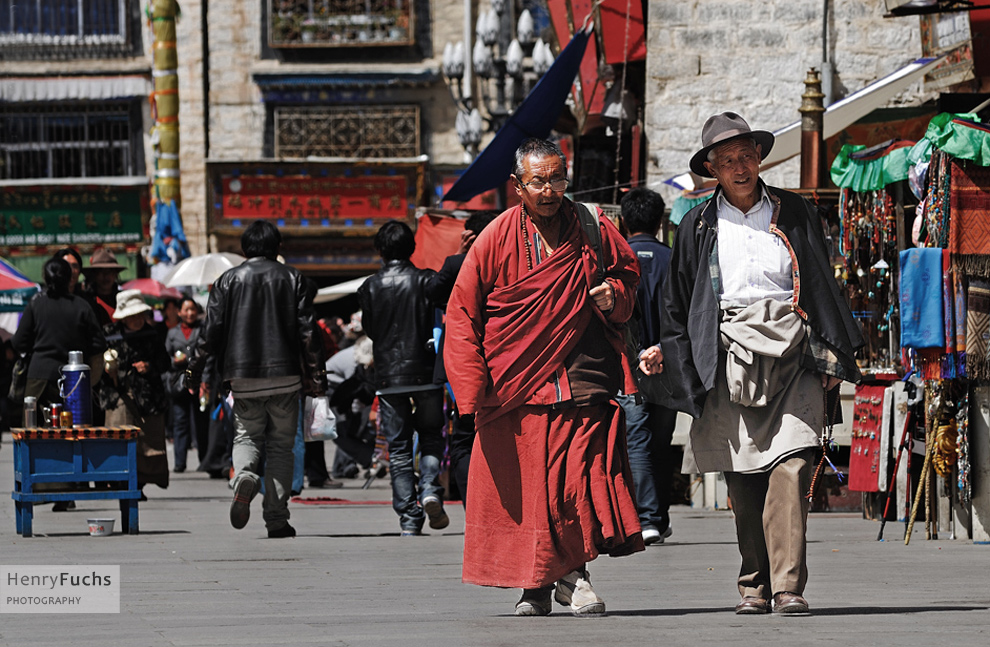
x=260, y=327
x=398, y=317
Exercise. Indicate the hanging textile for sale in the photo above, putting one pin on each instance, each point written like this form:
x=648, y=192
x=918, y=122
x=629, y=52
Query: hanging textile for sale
x=977, y=329
x=953, y=361
x=922, y=312
x=969, y=226
x=921, y=298
x=864, y=454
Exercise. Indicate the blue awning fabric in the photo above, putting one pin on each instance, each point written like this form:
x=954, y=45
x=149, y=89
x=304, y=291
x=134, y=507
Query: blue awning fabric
x=535, y=117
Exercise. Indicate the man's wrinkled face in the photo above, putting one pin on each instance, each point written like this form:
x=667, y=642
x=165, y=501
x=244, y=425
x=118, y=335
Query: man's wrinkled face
x=736, y=166
x=541, y=170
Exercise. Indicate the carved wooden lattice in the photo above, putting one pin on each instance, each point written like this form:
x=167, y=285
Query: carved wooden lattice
x=339, y=23
x=351, y=131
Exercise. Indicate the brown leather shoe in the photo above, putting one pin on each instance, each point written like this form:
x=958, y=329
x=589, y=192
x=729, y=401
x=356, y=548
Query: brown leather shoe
x=790, y=604
x=753, y=606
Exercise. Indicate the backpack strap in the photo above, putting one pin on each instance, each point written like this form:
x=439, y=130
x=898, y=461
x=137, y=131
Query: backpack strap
x=588, y=214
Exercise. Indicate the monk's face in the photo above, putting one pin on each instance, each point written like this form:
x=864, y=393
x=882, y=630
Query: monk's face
x=541, y=172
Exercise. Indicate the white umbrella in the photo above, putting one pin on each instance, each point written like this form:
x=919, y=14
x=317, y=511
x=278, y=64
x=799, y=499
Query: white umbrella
x=339, y=291
x=202, y=270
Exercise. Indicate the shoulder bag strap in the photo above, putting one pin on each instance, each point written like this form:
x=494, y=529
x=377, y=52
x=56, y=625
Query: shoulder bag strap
x=588, y=215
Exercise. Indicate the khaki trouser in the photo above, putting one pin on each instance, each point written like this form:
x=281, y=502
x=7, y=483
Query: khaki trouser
x=771, y=511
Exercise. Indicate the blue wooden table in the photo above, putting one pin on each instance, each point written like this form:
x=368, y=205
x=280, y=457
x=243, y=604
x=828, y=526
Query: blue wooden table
x=105, y=455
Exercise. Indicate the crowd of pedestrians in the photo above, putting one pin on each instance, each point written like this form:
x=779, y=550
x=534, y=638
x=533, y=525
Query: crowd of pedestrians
x=544, y=364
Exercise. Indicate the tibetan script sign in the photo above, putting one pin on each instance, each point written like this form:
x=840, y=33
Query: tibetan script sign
x=318, y=198
x=69, y=215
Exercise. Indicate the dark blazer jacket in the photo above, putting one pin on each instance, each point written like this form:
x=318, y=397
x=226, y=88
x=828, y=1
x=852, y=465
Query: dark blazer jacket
x=691, y=316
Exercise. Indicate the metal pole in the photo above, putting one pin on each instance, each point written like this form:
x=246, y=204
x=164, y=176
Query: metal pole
x=468, y=48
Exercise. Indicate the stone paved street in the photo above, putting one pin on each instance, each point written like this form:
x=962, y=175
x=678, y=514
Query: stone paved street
x=349, y=579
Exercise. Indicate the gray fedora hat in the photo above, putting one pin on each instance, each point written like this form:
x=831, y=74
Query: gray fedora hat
x=723, y=128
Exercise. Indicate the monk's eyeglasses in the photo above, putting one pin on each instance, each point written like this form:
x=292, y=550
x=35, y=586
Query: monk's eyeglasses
x=555, y=185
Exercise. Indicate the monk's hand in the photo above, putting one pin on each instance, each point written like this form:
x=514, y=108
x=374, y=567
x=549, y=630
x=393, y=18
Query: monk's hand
x=651, y=361
x=604, y=296
x=829, y=382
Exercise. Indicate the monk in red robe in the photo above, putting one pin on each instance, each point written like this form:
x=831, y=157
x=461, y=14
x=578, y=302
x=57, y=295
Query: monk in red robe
x=533, y=350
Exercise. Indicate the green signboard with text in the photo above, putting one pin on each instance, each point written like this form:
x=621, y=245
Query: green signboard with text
x=70, y=215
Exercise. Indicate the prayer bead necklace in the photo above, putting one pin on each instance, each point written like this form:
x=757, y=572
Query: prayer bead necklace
x=525, y=231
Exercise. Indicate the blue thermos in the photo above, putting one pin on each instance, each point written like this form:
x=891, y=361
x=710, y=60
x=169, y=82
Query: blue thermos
x=75, y=388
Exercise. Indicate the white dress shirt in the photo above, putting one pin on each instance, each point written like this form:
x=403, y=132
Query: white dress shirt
x=755, y=264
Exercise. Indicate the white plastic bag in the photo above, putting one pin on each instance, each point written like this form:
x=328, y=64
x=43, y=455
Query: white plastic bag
x=319, y=423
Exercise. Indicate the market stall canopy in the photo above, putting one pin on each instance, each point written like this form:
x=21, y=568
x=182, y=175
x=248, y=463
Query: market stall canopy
x=152, y=289
x=535, y=117
x=15, y=288
x=621, y=40
x=339, y=291
x=838, y=116
x=961, y=136
x=202, y=270
x=860, y=168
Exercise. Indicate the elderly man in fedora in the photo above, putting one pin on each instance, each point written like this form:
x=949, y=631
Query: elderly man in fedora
x=755, y=334
x=101, y=284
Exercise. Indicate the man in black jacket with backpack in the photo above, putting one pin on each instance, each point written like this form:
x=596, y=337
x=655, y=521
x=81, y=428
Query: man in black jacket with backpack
x=398, y=317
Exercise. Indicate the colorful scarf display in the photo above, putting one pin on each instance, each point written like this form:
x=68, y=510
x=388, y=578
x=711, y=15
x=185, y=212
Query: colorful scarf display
x=922, y=324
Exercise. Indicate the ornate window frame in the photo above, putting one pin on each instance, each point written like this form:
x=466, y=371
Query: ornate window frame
x=356, y=131
x=340, y=23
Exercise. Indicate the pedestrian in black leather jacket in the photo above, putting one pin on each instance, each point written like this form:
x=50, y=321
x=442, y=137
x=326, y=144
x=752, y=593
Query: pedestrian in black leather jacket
x=398, y=317
x=278, y=340
x=260, y=327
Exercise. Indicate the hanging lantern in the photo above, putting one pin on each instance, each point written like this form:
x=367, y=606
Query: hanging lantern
x=525, y=29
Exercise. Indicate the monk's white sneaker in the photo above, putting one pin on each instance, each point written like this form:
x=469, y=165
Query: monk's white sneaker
x=574, y=591
x=534, y=602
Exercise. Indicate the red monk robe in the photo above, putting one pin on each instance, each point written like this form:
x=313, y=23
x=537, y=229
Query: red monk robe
x=549, y=485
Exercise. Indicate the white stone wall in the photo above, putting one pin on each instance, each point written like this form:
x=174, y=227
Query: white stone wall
x=751, y=56
x=189, y=46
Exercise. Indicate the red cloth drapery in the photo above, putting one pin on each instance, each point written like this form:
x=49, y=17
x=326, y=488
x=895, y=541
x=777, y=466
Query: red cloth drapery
x=509, y=329
x=437, y=237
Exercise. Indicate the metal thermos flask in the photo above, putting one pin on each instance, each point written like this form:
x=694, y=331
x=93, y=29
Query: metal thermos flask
x=30, y=411
x=76, y=389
